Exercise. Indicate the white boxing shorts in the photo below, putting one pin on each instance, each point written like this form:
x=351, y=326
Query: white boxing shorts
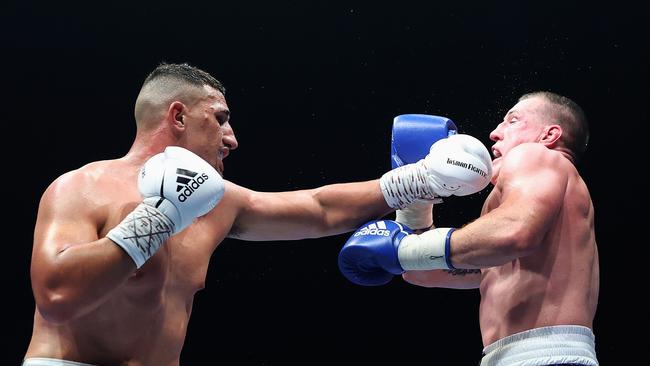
x=545, y=346
x=40, y=361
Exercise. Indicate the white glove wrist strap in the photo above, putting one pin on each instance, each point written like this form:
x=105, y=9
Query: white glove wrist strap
x=429, y=250
x=403, y=185
x=142, y=233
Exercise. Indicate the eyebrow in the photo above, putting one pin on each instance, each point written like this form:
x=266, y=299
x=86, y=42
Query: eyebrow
x=510, y=112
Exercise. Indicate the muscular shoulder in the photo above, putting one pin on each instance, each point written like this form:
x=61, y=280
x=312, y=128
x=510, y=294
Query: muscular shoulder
x=532, y=157
x=79, y=181
x=528, y=153
x=533, y=170
x=235, y=196
x=78, y=190
x=235, y=199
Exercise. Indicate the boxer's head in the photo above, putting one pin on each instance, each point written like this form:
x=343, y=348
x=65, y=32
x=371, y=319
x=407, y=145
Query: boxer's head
x=189, y=105
x=542, y=117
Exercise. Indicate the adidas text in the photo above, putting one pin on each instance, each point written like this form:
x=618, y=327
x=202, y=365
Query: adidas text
x=192, y=186
x=373, y=231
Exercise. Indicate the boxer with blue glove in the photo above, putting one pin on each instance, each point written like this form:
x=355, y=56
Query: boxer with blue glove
x=535, y=231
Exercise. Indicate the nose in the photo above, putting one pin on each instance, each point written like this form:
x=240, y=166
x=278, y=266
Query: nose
x=229, y=139
x=495, y=135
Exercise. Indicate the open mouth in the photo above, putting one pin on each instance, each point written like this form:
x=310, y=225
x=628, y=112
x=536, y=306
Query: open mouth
x=222, y=153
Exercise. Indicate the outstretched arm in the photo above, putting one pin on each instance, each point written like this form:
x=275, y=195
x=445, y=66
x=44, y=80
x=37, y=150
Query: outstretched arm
x=328, y=210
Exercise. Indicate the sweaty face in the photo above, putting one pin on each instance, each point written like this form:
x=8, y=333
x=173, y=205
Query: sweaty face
x=525, y=122
x=208, y=129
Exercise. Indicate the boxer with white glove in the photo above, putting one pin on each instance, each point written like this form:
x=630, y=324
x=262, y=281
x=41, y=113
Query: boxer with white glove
x=458, y=165
x=382, y=249
x=178, y=186
x=411, y=139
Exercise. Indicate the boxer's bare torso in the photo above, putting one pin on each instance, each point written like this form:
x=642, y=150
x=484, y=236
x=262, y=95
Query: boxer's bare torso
x=557, y=284
x=144, y=321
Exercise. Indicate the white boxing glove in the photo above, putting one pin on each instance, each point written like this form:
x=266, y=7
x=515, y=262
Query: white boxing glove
x=458, y=165
x=177, y=186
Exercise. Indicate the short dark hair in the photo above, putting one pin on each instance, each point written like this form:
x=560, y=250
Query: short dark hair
x=188, y=73
x=570, y=116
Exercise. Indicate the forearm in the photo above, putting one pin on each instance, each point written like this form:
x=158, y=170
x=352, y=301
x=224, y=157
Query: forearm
x=79, y=278
x=443, y=278
x=492, y=240
x=312, y=213
x=346, y=206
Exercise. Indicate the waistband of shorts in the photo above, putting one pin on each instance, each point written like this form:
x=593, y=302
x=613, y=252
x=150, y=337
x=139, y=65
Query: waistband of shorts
x=568, y=344
x=43, y=361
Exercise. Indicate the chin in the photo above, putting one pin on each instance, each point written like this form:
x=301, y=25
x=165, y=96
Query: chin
x=219, y=167
x=494, y=179
x=495, y=174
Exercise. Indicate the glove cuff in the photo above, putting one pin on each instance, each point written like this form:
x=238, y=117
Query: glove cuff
x=142, y=233
x=403, y=185
x=429, y=250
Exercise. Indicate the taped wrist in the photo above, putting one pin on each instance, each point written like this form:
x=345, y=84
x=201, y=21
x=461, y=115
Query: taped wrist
x=418, y=215
x=429, y=250
x=403, y=185
x=142, y=233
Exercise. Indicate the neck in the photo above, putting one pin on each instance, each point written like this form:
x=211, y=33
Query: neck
x=567, y=154
x=148, y=144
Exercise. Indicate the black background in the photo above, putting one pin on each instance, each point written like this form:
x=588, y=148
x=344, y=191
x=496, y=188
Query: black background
x=313, y=87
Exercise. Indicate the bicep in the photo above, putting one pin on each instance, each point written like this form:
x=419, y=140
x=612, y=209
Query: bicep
x=62, y=222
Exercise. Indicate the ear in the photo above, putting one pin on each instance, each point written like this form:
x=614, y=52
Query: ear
x=176, y=115
x=551, y=135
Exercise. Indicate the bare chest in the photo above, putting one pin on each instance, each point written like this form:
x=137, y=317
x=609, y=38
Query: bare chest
x=180, y=266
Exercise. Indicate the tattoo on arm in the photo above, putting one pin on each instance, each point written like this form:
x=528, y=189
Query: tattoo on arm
x=461, y=272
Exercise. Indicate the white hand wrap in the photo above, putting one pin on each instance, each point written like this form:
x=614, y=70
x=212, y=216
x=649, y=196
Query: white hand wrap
x=142, y=232
x=429, y=250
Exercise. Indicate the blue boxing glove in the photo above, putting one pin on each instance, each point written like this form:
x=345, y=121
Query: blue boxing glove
x=413, y=135
x=379, y=250
x=369, y=257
